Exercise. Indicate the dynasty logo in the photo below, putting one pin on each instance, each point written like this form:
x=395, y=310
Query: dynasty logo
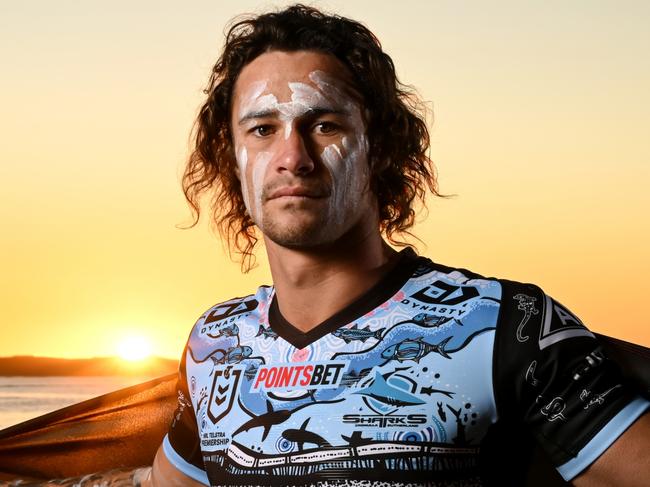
x=443, y=293
x=227, y=312
x=315, y=375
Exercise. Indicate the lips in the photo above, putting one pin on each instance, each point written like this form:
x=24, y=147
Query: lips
x=296, y=191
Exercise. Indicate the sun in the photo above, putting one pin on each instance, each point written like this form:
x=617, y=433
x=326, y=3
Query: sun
x=134, y=348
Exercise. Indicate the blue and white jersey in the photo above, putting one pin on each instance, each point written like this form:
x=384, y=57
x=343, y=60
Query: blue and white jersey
x=406, y=386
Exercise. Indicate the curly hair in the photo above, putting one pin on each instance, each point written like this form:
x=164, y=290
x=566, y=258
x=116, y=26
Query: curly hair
x=397, y=133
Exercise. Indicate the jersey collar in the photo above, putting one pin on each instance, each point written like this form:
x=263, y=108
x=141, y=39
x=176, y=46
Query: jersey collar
x=392, y=282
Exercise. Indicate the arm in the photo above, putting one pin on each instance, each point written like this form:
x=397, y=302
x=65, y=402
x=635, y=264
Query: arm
x=624, y=464
x=571, y=396
x=163, y=473
x=179, y=460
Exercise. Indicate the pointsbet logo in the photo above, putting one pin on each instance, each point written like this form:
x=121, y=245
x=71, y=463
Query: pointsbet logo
x=307, y=375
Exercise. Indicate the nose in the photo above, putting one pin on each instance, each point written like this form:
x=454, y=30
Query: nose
x=293, y=155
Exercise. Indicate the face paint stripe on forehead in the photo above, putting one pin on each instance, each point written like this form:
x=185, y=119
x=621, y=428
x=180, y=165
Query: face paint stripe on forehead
x=304, y=98
x=324, y=83
x=252, y=98
x=335, y=88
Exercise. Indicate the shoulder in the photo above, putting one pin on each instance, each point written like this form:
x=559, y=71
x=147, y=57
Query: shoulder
x=236, y=306
x=551, y=375
x=223, y=319
x=507, y=291
x=527, y=315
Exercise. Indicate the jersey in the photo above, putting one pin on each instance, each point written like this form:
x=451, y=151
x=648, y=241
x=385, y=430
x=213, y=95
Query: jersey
x=409, y=385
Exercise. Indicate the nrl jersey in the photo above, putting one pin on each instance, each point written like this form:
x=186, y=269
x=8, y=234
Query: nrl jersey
x=409, y=385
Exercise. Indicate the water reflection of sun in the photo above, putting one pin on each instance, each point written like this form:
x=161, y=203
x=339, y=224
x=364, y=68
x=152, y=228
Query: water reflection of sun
x=134, y=348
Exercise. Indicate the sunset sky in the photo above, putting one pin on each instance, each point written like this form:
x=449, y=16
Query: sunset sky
x=540, y=128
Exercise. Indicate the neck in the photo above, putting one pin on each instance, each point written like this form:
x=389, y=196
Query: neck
x=313, y=284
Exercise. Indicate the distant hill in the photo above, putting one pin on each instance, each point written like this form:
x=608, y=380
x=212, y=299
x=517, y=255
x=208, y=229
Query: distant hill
x=45, y=366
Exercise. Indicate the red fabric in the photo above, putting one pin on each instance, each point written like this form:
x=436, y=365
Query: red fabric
x=122, y=429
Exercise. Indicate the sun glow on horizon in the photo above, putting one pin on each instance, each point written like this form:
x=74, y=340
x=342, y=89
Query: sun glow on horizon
x=134, y=348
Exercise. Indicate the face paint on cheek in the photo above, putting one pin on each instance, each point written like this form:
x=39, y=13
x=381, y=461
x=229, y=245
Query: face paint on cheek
x=333, y=148
x=335, y=163
x=356, y=146
x=260, y=166
x=357, y=155
x=349, y=172
x=242, y=164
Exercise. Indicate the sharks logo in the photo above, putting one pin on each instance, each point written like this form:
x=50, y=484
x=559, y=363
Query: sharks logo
x=224, y=389
x=384, y=397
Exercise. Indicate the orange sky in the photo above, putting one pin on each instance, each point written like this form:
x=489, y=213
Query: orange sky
x=541, y=112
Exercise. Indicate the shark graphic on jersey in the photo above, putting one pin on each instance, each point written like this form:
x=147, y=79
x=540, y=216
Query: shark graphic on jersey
x=400, y=388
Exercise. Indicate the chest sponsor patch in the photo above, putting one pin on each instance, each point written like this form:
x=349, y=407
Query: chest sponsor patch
x=304, y=375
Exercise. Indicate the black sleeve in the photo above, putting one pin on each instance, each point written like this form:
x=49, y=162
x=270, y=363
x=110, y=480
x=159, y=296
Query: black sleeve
x=183, y=433
x=552, y=375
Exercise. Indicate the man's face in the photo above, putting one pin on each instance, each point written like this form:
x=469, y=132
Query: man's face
x=302, y=155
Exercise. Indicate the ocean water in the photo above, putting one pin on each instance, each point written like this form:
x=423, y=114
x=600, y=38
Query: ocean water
x=23, y=398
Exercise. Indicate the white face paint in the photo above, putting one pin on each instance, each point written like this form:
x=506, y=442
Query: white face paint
x=345, y=159
x=242, y=164
x=260, y=164
x=349, y=169
x=259, y=170
x=349, y=173
x=303, y=98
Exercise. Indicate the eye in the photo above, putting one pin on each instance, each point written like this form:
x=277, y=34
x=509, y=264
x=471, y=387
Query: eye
x=326, y=128
x=262, y=130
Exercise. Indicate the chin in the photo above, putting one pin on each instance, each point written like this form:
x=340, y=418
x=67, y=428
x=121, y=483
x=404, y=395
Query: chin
x=300, y=236
x=299, y=240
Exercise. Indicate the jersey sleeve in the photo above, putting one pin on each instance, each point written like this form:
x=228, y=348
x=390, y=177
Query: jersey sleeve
x=181, y=444
x=551, y=374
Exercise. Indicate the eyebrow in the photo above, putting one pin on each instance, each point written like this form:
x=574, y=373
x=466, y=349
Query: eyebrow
x=311, y=112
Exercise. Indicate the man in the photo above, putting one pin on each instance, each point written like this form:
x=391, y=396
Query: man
x=363, y=365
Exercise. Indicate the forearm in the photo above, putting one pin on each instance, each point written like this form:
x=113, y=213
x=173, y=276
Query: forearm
x=625, y=464
x=163, y=474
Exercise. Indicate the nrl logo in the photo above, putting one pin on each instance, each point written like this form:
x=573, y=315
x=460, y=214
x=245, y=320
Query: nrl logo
x=224, y=389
